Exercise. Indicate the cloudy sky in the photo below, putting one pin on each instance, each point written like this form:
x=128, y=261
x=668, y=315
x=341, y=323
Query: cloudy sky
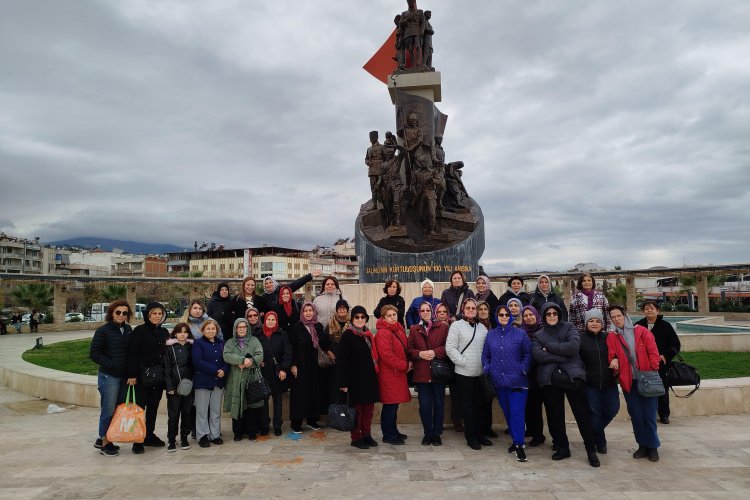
x=592, y=131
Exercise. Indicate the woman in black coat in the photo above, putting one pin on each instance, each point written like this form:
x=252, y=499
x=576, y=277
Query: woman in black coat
x=455, y=295
x=178, y=365
x=287, y=309
x=392, y=290
x=277, y=360
x=356, y=372
x=306, y=337
x=146, y=349
x=222, y=309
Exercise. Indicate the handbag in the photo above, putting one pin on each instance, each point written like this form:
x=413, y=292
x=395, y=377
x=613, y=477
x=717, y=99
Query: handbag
x=488, y=389
x=649, y=383
x=185, y=386
x=257, y=390
x=324, y=360
x=441, y=370
x=341, y=417
x=681, y=373
x=129, y=421
x=152, y=375
x=562, y=379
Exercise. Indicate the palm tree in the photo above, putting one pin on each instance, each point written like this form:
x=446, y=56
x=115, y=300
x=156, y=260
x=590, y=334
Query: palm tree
x=113, y=292
x=617, y=294
x=36, y=296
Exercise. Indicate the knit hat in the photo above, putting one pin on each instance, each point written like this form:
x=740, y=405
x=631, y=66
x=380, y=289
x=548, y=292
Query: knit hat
x=342, y=303
x=594, y=314
x=359, y=310
x=427, y=281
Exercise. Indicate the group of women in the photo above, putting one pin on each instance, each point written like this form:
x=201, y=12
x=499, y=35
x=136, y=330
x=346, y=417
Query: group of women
x=520, y=344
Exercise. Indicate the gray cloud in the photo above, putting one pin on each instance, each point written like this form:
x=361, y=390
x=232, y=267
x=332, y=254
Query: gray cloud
x=591, y=132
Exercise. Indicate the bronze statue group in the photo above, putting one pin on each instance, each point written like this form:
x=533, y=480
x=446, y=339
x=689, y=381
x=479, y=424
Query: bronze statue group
x=529, y=351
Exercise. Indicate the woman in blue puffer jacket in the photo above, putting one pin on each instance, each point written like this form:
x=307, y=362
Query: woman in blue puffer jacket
x=506, y=357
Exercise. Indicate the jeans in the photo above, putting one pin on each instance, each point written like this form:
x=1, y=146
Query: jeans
x=513, y=403
x=111, y=390
x=643, y=417
x=431, y=407
x=388, y=416
x=604, y=405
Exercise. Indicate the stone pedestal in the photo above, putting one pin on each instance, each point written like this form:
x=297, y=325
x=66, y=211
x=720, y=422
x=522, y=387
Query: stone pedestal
x=425, y=85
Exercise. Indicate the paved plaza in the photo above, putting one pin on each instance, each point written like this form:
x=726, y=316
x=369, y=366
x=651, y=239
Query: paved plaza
x=51, y=456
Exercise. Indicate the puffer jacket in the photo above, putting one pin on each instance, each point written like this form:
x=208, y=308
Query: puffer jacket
x=109, y=348
x=507, y=356
x=557, y=345
x=594, y=354
x=468, y=363
x=177, y=357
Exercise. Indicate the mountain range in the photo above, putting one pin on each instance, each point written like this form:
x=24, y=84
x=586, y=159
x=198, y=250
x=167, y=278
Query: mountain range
x=126, y=246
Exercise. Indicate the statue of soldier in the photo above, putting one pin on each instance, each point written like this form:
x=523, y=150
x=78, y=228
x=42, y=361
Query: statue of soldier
x=455, y=184
x=438, y=162
x=391, y=187
x=400, y=54
x=424, y=189
x=374, y=161
x=412, y=23
x=427, y=40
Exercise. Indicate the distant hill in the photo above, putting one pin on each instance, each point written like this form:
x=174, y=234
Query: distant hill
x=127, y=246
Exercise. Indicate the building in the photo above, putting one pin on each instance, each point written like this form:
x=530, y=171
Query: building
x=19, y=255
x=278, y=262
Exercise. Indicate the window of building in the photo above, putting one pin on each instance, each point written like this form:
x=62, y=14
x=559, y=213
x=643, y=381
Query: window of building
x=266, y=267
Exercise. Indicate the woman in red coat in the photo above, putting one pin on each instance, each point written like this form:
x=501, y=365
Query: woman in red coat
x=393, y=365
x=637, y=342
x=427, y=342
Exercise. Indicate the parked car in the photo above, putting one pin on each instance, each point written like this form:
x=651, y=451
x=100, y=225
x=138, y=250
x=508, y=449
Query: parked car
x=26, y=318
x=73, y=316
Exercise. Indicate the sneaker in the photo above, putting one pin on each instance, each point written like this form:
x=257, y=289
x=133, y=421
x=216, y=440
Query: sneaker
x=520, y=454
x=109, y=450
x=98, y=444
x=184, y=445
x=436, y=441
x=203, y=442
x=172, y=447
x=153, y=441
x=561, y=454
x=314, y=426
x=653, y=454
x=593, y=459
x=536, y=441
x=361, y=444
x=277, y=431
x=641, y=452
x=217, y=441
x=512, y=448
x=427, y=441
x=370, y=441
x=138, y=448
x=297, y=430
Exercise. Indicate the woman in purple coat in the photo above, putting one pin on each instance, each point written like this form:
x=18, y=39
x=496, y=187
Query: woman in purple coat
x=507, y=358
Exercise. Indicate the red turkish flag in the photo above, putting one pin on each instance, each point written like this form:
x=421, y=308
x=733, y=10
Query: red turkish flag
x=383, y=62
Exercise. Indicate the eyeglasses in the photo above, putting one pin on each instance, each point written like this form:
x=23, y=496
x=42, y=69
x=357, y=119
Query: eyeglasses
x=252, y=315
x=503, y=315
x=551, y=313
x=243, y=327
x=359, y=316
x=470, y=308
x=120, y=313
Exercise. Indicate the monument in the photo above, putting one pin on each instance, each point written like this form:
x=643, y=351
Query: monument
x=420, y=221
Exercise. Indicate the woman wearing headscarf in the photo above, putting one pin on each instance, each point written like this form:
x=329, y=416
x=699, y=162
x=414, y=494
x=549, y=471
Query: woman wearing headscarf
x=412, y=314
x=277, y=360
x=325, y=303
x=392, y=291
x=634, y=341
x=532, y=323
x=560, y=375
x=587, y=297
x=427, y=342
x=544, y=293
x=244, y=354
x=146, y=348
x=221, y=309
x=270, y=298
x=455, y=295
x=307, y=336
x=515, y=289
x=252, y=315
x=464, y=347
x=515, y=306
x=357, y=375
x=485, y=294
x=286, y=309
x=506, y=357
x=393, y=366
x=601, y=387
x=329, y=388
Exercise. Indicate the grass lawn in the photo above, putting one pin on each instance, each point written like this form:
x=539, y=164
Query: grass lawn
x=73, y=356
